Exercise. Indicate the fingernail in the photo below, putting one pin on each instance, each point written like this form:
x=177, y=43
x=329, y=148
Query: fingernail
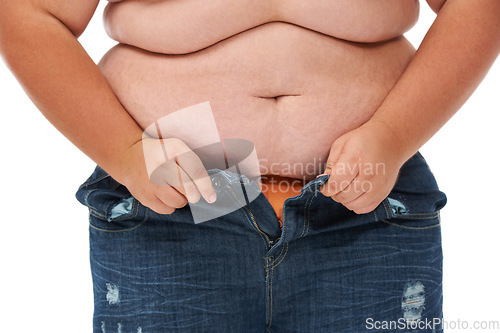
x=212, y=198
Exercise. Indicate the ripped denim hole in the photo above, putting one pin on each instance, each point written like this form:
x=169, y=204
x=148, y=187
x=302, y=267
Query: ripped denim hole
x=413, y=301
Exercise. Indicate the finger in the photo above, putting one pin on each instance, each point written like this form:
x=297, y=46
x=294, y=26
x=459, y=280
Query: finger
x=328, y=170
x=187, y=186
x=171, y=197
x=166, y=174
x=172, y=182
x=159, y=206
x=368, y=201
x=343, y=173
x=363, y=204
x=195, y=170
x=170, y=174
x=353, y=191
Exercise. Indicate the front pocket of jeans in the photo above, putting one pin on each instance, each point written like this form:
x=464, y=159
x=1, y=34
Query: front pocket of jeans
x=130, y=217
x=414, y=211
x=118, y=225
x=415, y=222
x=111, y=206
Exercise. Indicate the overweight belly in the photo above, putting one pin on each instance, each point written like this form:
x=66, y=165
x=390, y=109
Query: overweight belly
x=289, y=90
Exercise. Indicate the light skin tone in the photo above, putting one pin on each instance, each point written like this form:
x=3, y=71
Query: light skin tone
x=452, y=60
x=454, y=57
x=49, y=80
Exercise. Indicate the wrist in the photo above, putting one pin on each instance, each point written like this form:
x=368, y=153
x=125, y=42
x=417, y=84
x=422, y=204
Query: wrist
x=121, y=163
x=399, y=145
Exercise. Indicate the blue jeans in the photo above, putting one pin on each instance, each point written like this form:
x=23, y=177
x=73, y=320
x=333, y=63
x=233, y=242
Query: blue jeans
x=328, y=270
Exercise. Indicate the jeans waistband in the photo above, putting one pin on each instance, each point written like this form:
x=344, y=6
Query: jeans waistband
x=415, y=194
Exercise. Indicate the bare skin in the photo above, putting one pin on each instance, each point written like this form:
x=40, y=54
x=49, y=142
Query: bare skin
x=454, y=57
x=274, y=72
x=460, y=47
x=276, y=85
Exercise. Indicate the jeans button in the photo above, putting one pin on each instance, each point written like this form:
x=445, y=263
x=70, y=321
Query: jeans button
x=216, y=182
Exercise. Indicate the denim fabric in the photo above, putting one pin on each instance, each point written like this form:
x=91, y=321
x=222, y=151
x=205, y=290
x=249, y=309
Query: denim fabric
x=328, y=270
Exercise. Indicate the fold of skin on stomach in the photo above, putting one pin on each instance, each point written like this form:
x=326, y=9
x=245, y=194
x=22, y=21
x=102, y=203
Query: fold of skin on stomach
x=289, y=90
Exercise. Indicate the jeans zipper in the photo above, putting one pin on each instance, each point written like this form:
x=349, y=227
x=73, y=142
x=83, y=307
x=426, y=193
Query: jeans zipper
x=271, y=243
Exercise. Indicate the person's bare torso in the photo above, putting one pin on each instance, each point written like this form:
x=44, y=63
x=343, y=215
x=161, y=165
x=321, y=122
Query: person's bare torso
x=288, y=75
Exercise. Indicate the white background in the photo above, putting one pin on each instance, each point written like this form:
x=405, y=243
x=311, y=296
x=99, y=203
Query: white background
x=45, y=274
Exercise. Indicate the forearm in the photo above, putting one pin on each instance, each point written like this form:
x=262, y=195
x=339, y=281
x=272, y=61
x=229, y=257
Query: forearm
x=453, y=58
x=68, y=88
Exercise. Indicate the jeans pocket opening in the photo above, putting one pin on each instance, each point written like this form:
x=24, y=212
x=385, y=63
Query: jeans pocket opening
x=415, y=223
x=400, y=213
x=122, y=225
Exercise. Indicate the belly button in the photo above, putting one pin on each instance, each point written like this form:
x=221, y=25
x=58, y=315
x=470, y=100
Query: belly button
x=276, y=98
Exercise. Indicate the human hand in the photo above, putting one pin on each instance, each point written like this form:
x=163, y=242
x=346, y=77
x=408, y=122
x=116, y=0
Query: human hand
x=363, y=165
x=174, y=181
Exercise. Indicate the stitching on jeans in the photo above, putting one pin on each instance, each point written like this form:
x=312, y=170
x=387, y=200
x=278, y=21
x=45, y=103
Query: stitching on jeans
x=419, y=216
x=283, y=227
x=254, y=224
x=308, y=205
x=270, y=298
x=279, y=255
x=272, y=278
x=307, y=208
x=95, y=213
x=308, y=214
x=91, y=208
x=253, y=227
x=412, y=228
x=94, y=181
x=386, y=202
x=267, y=289
x=305, y=218
x=282, y=248
x=114, y=202
x=283, y=257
